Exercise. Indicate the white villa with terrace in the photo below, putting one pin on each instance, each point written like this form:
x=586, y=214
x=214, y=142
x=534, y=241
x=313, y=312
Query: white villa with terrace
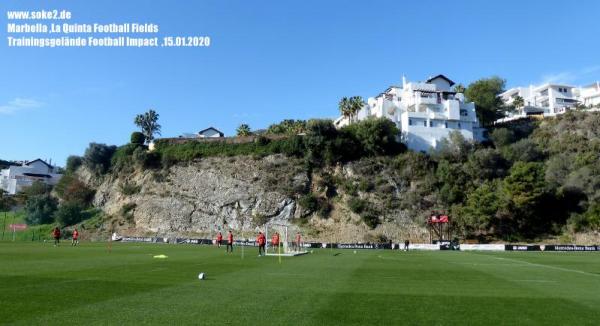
x=589, y=95
x=16, y=178
x=424, y=112
x=550, y=99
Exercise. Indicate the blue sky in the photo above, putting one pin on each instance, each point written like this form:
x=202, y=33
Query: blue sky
x=272, y=60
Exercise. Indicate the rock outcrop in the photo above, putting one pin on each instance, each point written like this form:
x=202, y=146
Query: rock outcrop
x=239, y=193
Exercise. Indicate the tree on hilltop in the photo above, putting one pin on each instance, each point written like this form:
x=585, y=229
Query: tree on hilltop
x=488, y=105
x=148, y=123
x=244, y=130
x=349, y=107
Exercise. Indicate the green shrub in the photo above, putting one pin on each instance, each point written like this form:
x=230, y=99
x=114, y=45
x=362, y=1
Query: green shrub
x=37, y=188
x=377, y=136
x=138, y=138
x=350, y=187
x=357, y=205
x=366, y=186
x=525, y=150
x=127, y=211
x=287, y=127
x=259, y=220
x=588, y=221
x=324, y=208
x=39, y=209
x=327, y=182
x=309, y=202
x=146, y=160
x=129, y=188
x=502, y=137
x=262, y=140
x=69, y=213
x=73, y=163
x=97, y=157
x=174, y=153
x=6, y=202
x=370, y=218
x=122, y=159
x=71, y=189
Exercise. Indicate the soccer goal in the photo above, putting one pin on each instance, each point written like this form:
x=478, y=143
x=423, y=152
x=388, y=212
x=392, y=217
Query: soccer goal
x=287, y=245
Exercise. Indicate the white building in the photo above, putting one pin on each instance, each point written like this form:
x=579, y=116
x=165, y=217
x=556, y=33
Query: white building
x=210, y=132
x=589, y=95
x=425, y=112
x=546, y=99
x=18, y=177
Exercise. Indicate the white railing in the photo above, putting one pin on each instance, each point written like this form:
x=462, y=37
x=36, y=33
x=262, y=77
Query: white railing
x=426, y=100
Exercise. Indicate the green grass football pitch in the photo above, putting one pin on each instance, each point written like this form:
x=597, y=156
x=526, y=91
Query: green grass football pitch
x=41, y=284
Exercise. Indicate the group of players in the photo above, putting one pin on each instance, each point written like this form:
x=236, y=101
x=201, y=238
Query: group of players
x=261, y=239
x=56, y=237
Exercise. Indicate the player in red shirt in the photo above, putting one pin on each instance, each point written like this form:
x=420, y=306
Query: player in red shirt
x=230, y=241
x=56, y=236
x=219, y=239
x=275, y=241
x=298, y=241
x=261, y=239
x=75, y=238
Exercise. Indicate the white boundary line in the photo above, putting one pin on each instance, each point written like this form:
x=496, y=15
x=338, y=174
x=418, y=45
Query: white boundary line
x=546, y=266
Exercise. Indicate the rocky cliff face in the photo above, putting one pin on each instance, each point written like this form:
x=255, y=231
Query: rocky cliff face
x=239, y=193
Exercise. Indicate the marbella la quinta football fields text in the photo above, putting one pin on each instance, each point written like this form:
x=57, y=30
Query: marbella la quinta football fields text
x=41, y=284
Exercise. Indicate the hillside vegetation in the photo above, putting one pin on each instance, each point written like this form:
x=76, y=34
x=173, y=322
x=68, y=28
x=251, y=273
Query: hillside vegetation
x=533, y=179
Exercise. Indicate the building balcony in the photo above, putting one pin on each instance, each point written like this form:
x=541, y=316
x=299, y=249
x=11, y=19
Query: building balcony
x=452, y=109
x=426, y=100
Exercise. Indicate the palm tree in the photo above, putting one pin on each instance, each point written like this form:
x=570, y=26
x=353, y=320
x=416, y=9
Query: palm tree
x=345, y=109
x=356, y=104
x=349, y=107
x=459, y=88
x=244, y=130
x=148, y=123
x=518, y=102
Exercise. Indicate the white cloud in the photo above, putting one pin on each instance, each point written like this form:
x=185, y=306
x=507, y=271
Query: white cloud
x=590, y=70
x=561, y=77
x=583, y=75
x=19, y=104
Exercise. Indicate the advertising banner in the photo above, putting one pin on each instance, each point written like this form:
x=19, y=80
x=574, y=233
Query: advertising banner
x=568, y=248
x=482, y=247
x=423, y=246
x=413, y=246
x=522, y=247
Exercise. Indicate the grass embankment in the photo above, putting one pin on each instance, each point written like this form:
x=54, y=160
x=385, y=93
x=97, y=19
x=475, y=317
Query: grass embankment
x=261, y=147
x=41, y=284
x=32, y=232
x=43, y=232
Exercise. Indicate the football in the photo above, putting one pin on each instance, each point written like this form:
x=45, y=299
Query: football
x=201, y=276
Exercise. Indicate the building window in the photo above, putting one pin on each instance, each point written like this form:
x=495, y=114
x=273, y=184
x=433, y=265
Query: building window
x=425, y=123
x=464, y=113
x=446, y=124
x=459, y=125
x=410, y=123
x=430, y=123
